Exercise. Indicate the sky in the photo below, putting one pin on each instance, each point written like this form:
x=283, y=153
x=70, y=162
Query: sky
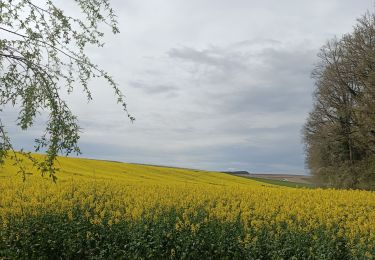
x=213, y=84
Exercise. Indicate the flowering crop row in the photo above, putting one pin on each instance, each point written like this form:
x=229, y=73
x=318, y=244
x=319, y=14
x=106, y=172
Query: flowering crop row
x=100, y=209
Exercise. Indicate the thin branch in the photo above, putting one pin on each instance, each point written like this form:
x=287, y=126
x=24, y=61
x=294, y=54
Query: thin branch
x=50, y=45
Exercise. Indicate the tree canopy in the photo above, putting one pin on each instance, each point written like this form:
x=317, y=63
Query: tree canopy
x=340, y=131
x=42, y=54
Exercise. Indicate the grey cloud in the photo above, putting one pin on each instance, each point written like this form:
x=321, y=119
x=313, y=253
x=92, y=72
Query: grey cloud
x=266, y=100
x=271, y=80
x=210, y=57
x=257, y=42
x=296, y=61
x=154, y=88
x=233, y=62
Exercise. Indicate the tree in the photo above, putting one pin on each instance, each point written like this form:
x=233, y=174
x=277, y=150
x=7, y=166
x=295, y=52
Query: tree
x=340, y=131
x=360, y=47
x=42, y=54
x=328, y=131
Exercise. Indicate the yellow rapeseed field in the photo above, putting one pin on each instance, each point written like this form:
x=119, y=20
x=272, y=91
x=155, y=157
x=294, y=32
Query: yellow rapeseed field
x=105, y=194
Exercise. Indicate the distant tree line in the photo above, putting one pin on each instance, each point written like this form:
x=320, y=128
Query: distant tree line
x=340, y=131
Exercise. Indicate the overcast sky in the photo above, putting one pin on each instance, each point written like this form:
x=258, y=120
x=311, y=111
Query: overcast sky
x=213, y=84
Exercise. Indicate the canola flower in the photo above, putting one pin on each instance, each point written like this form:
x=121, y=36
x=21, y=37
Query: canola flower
x=108, y=193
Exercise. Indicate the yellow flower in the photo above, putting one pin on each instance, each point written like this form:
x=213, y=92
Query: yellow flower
x=70, y=215
x=125, y=192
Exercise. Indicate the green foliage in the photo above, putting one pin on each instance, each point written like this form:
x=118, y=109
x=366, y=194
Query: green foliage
x=42, y=55
x=54, y=236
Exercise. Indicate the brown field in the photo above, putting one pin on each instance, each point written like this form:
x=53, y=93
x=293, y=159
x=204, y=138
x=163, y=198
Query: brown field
x=280, y=177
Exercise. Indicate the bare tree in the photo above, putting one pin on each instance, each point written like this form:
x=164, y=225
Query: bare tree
x=340, y=131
